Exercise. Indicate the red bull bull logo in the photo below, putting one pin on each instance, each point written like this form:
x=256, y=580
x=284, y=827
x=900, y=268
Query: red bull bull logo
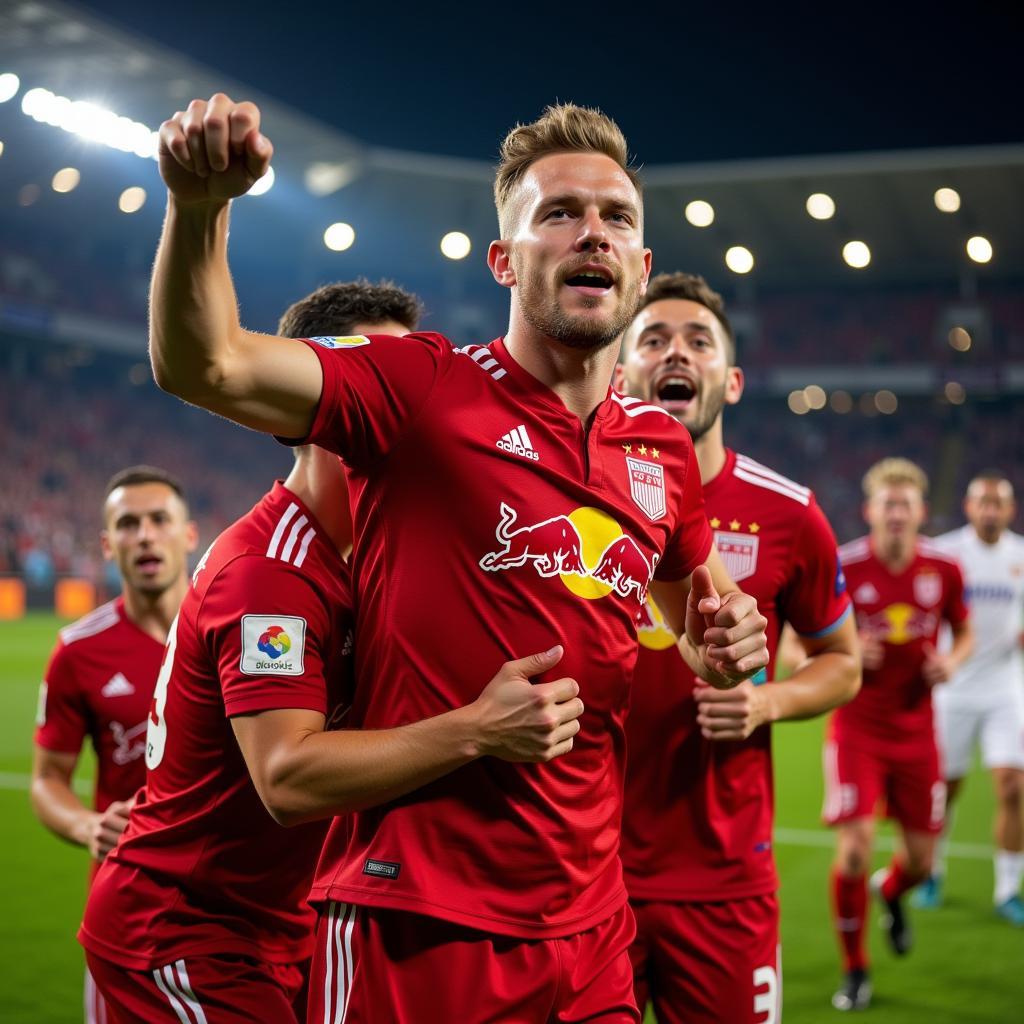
x=586, y=549
x=900, y=624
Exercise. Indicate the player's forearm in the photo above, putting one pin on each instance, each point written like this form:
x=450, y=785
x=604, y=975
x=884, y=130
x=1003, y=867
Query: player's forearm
x=821, y=683
x=60, y=810
x=331, y=773
x=193, y=309
x=962, y=649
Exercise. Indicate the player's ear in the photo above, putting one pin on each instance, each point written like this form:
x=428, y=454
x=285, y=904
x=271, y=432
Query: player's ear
x=734, y=384
x=648, y=263
x=499, y=259
x=191, y=535
x=619, y=378
x=105, y=546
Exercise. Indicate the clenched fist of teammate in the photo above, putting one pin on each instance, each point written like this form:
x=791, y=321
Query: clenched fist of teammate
x=728, y=632
x=214, y=151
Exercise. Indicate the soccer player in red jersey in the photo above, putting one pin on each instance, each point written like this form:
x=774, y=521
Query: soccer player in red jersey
x=200, y=912
x=504, y=498
x=881, y=746
x=697, y=820
x=100, y=678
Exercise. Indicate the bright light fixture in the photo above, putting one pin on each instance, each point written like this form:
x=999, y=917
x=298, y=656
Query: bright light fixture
x=262, y=185
x=131, y=199
x=979, y=248
x=699, y=213
x=960, y=339
x=798, y=402
x=9, y=86
x=821, y=206
x=815, y=396
x=739, y=259
x=339, y=237
x=857, y=254
x=947, y=200
x=886, y=402
x=456, y=245
x=66, y=179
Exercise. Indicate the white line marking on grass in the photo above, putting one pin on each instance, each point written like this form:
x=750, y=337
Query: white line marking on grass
x=808, y=837
x=19, y=780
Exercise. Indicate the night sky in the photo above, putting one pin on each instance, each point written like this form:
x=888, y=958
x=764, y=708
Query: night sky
x=710, y=82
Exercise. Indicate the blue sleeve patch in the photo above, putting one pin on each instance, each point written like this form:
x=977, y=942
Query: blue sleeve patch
x=761, y=677
x=350, y=342
x=840, y=577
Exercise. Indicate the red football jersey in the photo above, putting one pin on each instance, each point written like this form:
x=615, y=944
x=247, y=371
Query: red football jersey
x=492, y=524
x=697, y=823
x=202, y=867
x=99, y=683
x=904, y=611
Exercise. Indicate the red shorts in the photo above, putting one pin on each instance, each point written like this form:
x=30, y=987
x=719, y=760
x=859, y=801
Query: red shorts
x=910, y=785
x=220, y=989
x=708, y=963
x=374, y=965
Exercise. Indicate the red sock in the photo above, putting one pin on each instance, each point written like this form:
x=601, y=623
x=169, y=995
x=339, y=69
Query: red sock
x=898, y=881
x=849, y=906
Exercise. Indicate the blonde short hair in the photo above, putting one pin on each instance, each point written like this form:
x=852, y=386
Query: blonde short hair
x=562, y=128
x=893, y=472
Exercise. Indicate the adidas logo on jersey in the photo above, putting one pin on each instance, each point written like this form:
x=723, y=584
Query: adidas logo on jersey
x=117, y=686
x=517, y=441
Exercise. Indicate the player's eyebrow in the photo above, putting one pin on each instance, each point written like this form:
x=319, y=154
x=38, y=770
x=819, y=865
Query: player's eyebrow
x=690, y=325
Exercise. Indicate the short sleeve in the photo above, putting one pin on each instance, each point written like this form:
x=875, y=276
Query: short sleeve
x=691, y=542
x=955, y=610
x=62, y=722
x=374, y=387
x=267, y=629
x=814, y=599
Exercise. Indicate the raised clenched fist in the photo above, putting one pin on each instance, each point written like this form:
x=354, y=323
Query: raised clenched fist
x=213, y=151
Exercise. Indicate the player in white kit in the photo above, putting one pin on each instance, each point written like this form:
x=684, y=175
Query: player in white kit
x=984, y=702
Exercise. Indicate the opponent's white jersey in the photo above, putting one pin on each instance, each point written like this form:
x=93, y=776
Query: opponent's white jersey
x=994, y=577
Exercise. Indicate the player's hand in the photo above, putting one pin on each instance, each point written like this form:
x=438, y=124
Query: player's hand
x=937, y=668
x=518, y=720
x=106, y=828
x=731, y=714
x=728, y=632
x=213, y=151
x=872, y=651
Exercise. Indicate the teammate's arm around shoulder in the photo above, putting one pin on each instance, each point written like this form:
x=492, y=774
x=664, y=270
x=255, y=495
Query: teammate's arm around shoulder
x=210, y=154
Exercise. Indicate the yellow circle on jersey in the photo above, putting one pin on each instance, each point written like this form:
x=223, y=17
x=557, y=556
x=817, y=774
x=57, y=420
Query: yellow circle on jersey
x=658, y=638
x=597, y=530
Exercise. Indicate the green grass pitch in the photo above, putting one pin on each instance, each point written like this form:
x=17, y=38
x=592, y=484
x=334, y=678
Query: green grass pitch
x=966, y=967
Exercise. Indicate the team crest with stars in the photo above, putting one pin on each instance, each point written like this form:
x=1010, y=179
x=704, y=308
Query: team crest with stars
x=646, y=480
x=737, y=550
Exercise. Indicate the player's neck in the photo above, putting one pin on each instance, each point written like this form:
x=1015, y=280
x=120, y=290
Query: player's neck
x=325, y=495
x=580, y=377
x=710, y=449
x=990, y=542
x=154, y=613
x=895, y=555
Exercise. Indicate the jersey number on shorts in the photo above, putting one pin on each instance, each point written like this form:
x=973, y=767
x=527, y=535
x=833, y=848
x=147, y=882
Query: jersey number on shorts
x=156, y=731
x=767, y=1000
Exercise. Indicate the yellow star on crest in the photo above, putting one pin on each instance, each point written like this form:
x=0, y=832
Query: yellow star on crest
x=642, y=449
x=655, y=454
x=715, y=523
x=627, y=448
x=753, y=527
x=734, y=525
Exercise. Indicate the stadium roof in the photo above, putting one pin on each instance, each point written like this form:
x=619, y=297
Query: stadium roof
x=400, y=203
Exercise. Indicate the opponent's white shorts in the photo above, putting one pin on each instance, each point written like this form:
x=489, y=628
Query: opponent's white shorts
x=997, y=728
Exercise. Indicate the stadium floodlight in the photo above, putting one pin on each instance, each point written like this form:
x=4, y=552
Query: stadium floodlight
x=91, y=121
x=262, y=185
x=1, y=147
x=947, y=200
x=339, y=237
x=9, y=86
x=857, y=254
x=739, y=259
x=886, y=402
x=841, y=402
x=322, y=178
x=131, y=199
x=456, y=245
x=815, y=396
x=797, y=402
x=979, y=248
x=960, y=339
x=821, y=206
x=66, y=179
x=700, y=213
x=955, y=393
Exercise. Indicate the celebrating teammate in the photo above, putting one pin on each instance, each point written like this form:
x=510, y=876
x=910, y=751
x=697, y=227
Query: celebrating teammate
x=100, y=678
x=882, y=745
x=504, y=499
x=984, y=701
x=697, y=827
x=202, y=909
